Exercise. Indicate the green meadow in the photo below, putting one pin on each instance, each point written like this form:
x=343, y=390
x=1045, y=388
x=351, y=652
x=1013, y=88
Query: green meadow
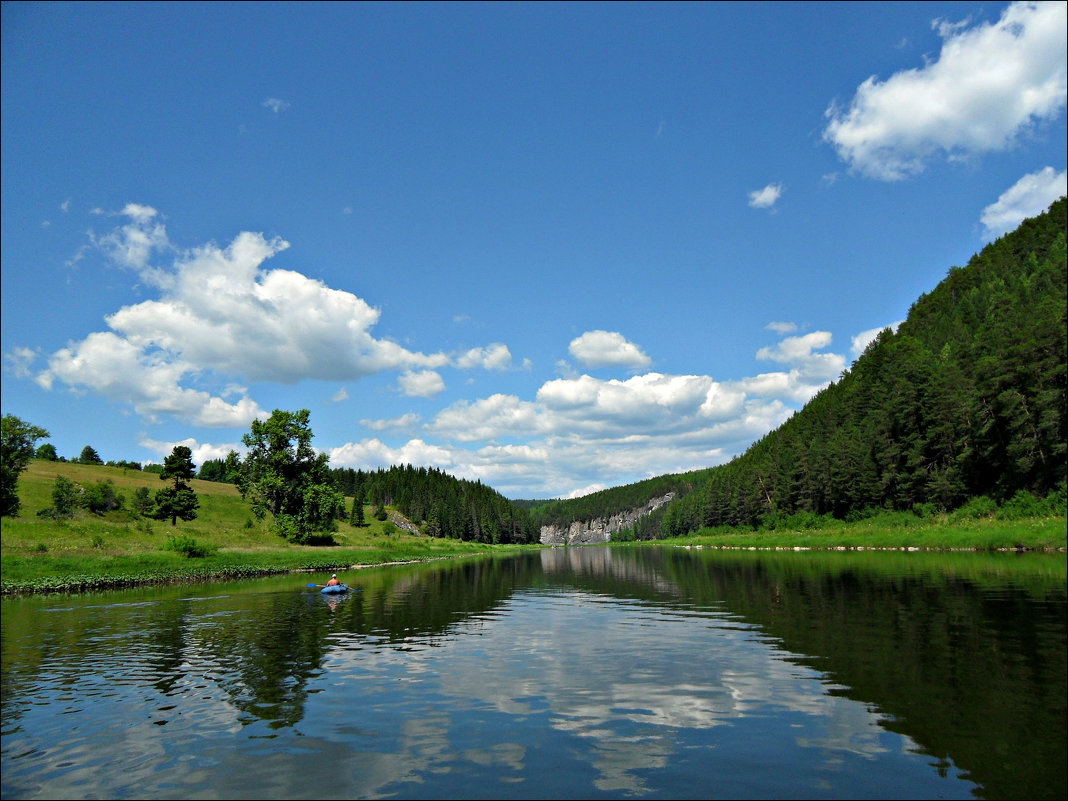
x=121, y=548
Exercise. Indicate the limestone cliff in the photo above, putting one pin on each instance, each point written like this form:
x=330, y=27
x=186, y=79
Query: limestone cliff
x=601, y=529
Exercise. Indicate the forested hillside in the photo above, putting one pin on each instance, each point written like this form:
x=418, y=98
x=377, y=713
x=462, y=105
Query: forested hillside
x=966, y=399
x=442, y=505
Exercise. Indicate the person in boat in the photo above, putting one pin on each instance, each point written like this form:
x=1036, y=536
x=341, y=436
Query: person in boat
x=333, y=581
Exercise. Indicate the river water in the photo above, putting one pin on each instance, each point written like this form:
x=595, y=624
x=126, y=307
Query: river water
x=592, y=672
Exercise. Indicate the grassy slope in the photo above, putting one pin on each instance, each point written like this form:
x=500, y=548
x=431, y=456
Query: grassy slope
x=118, y=548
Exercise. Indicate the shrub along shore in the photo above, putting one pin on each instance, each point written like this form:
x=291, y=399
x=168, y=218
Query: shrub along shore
x=119, y=549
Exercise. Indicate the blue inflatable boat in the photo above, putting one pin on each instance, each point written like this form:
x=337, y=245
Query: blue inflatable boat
x=335, y=588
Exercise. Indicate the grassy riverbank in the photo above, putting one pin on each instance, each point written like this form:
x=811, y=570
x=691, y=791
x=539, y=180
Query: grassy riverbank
x=901, y=530
x=225, y=541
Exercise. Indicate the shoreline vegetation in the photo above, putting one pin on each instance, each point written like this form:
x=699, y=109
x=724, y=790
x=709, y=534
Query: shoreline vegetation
x=119, y=549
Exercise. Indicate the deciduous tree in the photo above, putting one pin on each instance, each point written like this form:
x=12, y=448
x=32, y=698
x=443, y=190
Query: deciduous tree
x=284, y=476
x=17, y=439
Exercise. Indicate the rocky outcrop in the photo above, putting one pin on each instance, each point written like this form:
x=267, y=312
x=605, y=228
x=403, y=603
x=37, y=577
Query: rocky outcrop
x=403, y=523
x=601, y=529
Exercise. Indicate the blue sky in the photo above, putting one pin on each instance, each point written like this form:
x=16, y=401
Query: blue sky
x=554, y=247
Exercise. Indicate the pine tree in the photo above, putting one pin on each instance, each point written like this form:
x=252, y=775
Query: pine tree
x=179, y=501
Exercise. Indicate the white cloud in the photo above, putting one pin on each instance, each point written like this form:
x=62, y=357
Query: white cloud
x=810, y=371
x=133, y=244
x=225, y=313
x=221, y=314
x=221, y=319
x=991, y=84
x=491, y=418
x=422, y=384
x=150, y=382
x=655, y=401
x=792, y=349
x=492, y=357
x=375, y=453
x=582, y=431
x=607, y=349
x=275, y=105
x=341, y=395
x=1029, y=196
x=765, y=198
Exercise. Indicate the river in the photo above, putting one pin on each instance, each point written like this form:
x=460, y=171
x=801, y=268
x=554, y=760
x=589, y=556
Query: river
x=593, y=672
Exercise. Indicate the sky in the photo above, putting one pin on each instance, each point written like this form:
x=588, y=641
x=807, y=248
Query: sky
x=551, y=247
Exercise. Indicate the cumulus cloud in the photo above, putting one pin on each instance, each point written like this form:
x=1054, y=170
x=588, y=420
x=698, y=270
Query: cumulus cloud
x=133, y=245
x=222, y=314
x=810, y=371
x=496, y=417
x=421, y=384
x=589, y=431
x=654, y=401
x=991, y=84
x=492, y=357
x=607, y=349
x=150, y=382
x=765, y=198
x=226, y=313
x=582, y=492
x=222, y=319
x=1029, y=196
x=374, y=452
x=795, y=348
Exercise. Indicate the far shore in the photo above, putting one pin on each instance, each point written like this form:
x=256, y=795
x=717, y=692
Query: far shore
x=92, y=571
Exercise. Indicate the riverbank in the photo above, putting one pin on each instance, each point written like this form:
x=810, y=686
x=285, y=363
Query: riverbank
x=51, y=573
x=87, y=570
x=896, y=532
x=118, y=548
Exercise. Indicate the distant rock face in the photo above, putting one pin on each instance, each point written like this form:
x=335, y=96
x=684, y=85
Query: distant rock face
x=600, y=530
x=403, y=523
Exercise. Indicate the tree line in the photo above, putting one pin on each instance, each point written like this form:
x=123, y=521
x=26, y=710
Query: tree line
x=443, y=506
